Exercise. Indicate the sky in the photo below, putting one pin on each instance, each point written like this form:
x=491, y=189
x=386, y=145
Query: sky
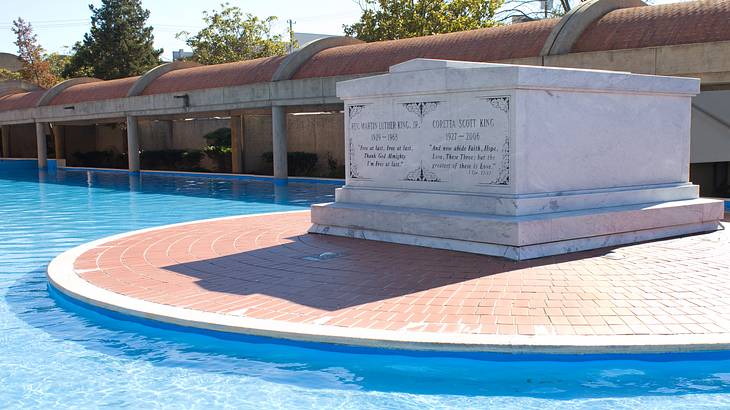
x=60, y=23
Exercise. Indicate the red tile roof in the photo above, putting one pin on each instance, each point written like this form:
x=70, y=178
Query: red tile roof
x=215, y=76
x=488, y=44
x=20, y=100
x=96, y=91
x=651, y=26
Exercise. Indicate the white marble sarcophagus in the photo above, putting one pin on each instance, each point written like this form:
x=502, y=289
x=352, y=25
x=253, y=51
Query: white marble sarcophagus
x=516, y=161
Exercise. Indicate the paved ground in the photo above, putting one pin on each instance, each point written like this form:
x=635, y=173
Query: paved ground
x=267, y=267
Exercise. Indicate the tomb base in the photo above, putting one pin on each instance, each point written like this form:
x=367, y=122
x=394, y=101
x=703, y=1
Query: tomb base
x=518, y=237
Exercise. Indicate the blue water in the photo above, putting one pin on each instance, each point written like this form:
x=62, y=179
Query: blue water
x=57, y=354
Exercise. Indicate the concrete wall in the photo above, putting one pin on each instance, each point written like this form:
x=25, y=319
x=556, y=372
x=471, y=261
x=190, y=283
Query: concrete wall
x=87, y=138
x=708, y=61
x=320, y=133
x=711, y=127
x=189, y=134
x=79, y=139
x=22, y=141
x=257, y=140
x=640, y=61
x=111, y=137
x=306, y=91
x=156, y=135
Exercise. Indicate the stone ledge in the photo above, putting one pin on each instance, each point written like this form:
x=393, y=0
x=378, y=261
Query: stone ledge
x=497, y=235
x=516, y=205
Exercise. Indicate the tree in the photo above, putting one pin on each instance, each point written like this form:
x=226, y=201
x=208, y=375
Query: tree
x=394, y=19
x=527, y=10
x=118, y=45
x=6, y=75
x=36, y=69
x=57, y=62
x=230, y=35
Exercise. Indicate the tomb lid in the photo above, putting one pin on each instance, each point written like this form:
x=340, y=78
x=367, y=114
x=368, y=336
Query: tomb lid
x=424, y=76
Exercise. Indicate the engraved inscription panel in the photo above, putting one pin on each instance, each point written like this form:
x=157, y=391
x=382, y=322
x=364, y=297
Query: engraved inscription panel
x=458, y=142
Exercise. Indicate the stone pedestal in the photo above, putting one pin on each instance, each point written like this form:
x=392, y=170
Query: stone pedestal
x=516, y=161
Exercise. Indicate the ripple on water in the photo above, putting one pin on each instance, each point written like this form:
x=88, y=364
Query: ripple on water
x=57, y=354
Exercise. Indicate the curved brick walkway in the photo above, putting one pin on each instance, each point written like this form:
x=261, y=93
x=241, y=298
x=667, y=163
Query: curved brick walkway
x=267, y=267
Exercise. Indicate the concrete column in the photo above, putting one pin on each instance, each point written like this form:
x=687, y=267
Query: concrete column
x=133, y=143
x=5, y=129
x=237, y=144
x=278, y=126
x=59, y=140
x=170, y=126
x=40, y=139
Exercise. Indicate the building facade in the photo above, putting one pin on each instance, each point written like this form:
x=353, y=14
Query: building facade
x=280, y=95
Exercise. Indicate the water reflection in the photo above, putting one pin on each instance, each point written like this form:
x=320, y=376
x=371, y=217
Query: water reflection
x=54, y=351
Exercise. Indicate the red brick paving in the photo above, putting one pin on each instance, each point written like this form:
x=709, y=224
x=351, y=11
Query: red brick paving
x=267, y=267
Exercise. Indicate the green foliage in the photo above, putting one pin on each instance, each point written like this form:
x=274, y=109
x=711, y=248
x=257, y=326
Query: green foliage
x=172, y=159
x=219, y=148
x=57, y=62
x=230, y=35
x=300, y=164
x=219, y=138
x=36, y=69
x=6, y=74
x=118, y=44
x=335, y=170
x=395, y=19
x=221, y=156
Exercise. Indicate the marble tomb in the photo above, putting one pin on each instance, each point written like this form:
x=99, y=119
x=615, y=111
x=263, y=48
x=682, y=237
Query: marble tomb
x=516, y=161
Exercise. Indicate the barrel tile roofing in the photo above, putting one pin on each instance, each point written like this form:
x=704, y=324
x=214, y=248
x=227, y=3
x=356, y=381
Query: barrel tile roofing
x=260, y=70
x=680, y=23
x=661, y=25
x=484, y=45
x=94, y=91
x=20, y=100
